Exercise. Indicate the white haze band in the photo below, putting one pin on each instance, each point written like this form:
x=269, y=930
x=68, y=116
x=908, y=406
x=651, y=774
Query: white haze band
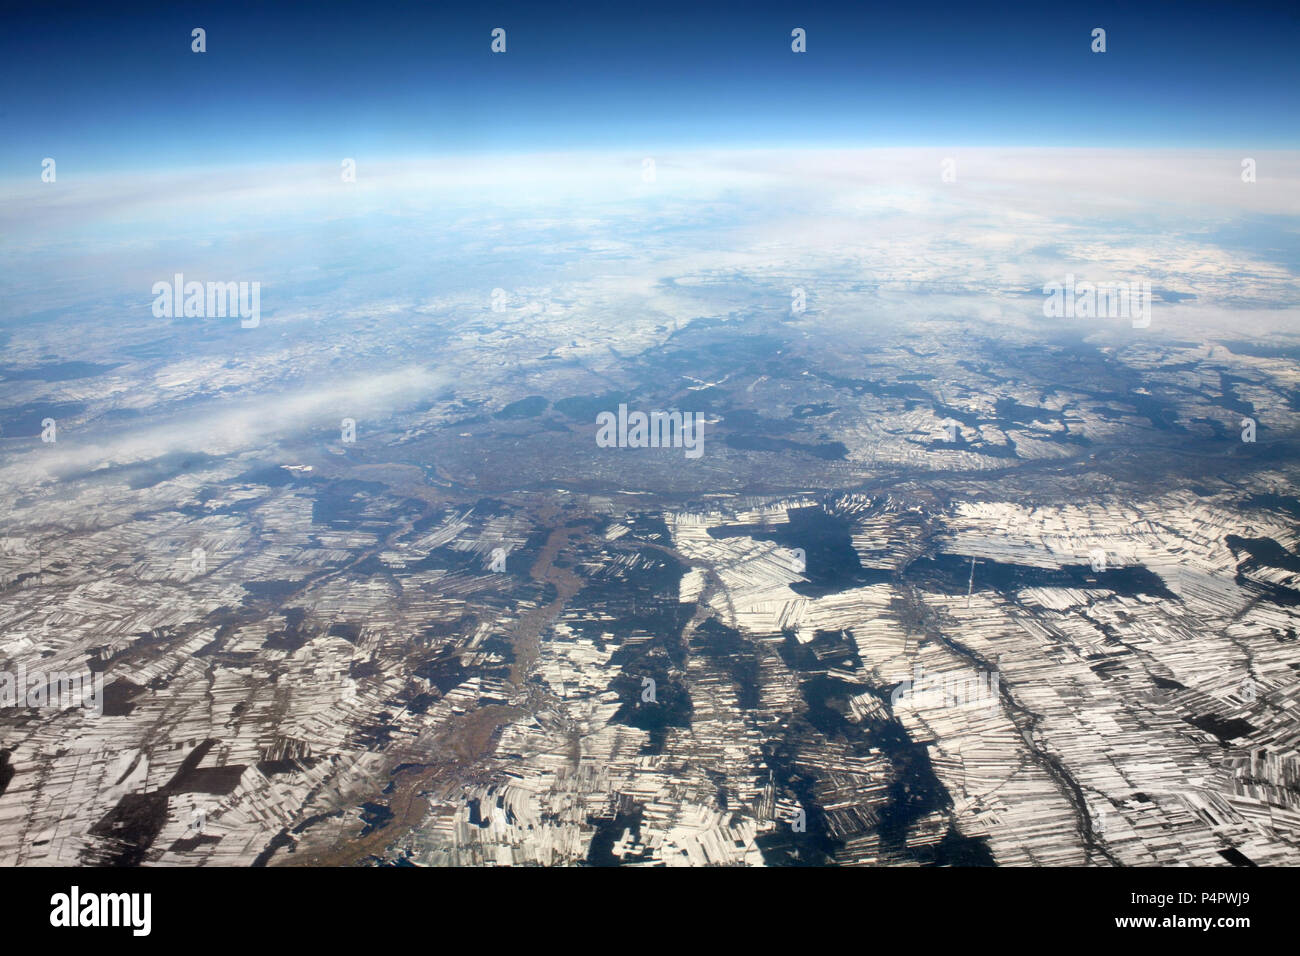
x=655, y=430
x=194, y=300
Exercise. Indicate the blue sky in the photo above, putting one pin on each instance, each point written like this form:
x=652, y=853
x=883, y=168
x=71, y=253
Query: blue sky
x=108, y=87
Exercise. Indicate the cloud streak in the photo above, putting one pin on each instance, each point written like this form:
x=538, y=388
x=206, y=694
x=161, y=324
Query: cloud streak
x=217, y=429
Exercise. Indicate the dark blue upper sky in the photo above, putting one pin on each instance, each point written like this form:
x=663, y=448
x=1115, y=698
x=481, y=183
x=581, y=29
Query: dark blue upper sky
x=110, y=86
